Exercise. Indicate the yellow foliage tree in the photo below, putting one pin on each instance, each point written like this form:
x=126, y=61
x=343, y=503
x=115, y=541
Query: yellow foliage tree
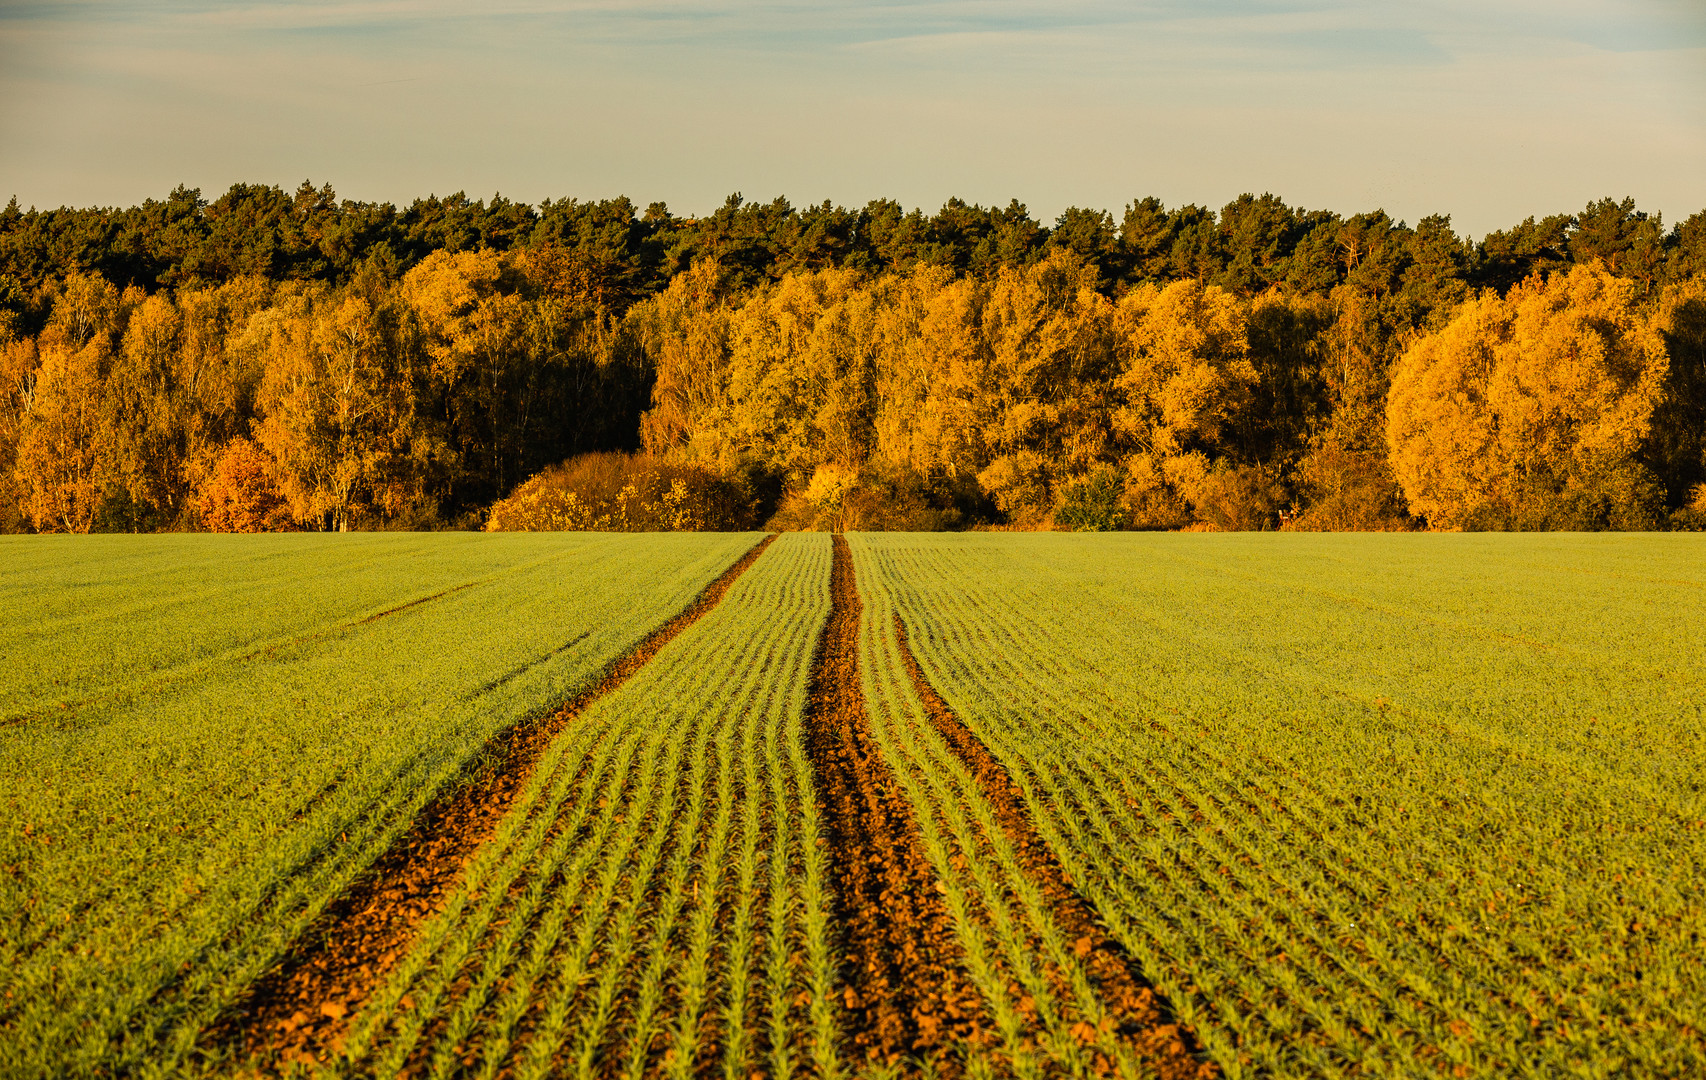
x=1025, y=382
x=685, y=330
x=1677, y=446
x=481, y=336
x=1184, y=373
x=799, y=375
x=932, y=378
x=468, y=309
x=64, y=438
x=218, y=372
x=827, y=493
x=146, y=409
x=1522, y=411
x=19, y=368
x=324, y=401
x=1039, y=400
x=1345, y=478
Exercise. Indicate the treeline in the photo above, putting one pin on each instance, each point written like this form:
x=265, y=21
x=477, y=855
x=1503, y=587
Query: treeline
x=1249, y=245
x=270, y=360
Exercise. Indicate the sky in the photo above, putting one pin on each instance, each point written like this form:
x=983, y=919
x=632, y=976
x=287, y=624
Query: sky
x=1488, y=110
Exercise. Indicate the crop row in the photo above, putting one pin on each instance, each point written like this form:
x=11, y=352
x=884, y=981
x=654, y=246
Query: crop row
x=166, y=838
x=1054, y=1014
x=655, y=902
x=1314, y=814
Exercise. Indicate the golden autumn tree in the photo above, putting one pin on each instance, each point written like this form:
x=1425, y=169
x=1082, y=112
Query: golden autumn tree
x=145, y=411
x=1676, y=447
x=1002, y=384
x=324, y=402
x=488, y=339
x=218, y=372
x=932, y=375
x=1345, y=476
x=799, y=376
x=64, y=439
x=1184, y=372
x=685, y=332
x=19, y=369
x=1527, y=411
x=892, y=379
x=1041, y=398
x=907, y=427
x=1018, y=385
x=782, y=383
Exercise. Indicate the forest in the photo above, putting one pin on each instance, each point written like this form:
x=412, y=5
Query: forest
x=272, y=360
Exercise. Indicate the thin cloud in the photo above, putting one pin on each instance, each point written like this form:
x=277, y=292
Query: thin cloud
x=1484, y=108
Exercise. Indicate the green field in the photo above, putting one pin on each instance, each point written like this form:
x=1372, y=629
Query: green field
x=1034, y=805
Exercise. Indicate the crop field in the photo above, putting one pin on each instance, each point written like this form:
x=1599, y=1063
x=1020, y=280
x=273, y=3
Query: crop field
x=884, y=805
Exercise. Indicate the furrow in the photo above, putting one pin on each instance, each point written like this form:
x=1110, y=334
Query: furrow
x=905, y=987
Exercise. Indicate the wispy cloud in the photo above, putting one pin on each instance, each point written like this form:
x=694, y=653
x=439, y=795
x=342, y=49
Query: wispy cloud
x=1485, y=107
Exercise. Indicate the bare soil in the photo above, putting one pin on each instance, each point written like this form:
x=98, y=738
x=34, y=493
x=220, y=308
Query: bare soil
x=904, y=984
x=298, y=1011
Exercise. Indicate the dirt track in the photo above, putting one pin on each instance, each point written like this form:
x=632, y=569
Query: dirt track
x=904, y=984
x=907, y=996
x=298, y=1010
x=1140, y=1013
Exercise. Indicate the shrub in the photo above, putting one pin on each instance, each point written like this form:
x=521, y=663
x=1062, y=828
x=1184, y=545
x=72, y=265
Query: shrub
x=617, y=492
x=1346, y=490
x=1094, y=503
x=1238, y=498
x=1019, y=484
x=877, y=502
x=906, y=502
x=1691, y=518
x=1617, y=496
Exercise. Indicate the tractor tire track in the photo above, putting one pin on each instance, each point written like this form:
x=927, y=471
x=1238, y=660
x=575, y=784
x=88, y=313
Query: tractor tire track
x=1143, y=1017
x=152, y=685
x=904, y=985
x=297, y=1012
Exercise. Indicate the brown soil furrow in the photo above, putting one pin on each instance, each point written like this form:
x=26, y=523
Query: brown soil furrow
x=1141, y=1014
x=904, y=981
x=298, y=1010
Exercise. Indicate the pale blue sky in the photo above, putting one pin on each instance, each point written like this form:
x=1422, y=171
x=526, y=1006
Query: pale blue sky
x=1489, y=110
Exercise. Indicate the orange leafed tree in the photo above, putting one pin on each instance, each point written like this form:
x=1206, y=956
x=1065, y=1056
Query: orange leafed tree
x=19, y=368
x=240, y=495
x=1523, y=407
